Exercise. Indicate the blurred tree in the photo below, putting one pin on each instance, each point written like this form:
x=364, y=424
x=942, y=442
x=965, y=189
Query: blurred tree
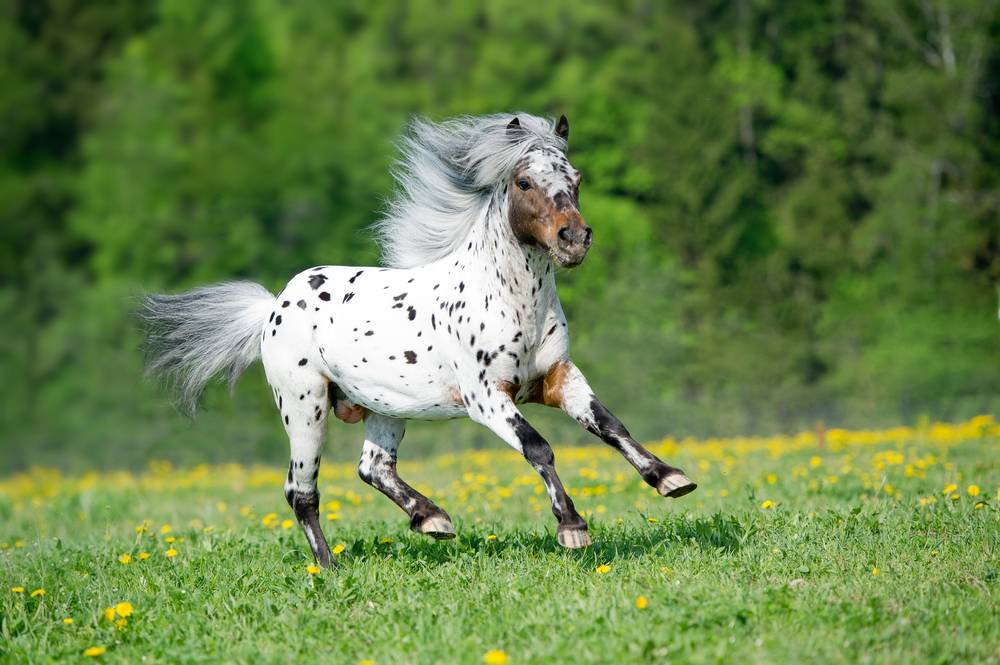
x=795, y=204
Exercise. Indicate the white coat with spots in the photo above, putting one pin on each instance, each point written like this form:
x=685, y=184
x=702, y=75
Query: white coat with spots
x=465, y=322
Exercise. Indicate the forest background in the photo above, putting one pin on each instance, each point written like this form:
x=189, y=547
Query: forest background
x=795, y=204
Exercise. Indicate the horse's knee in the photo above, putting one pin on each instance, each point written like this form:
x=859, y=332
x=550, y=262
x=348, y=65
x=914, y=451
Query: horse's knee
x=533, y=446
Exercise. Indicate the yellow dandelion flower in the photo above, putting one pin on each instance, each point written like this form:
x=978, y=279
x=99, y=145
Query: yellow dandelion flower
x=125, y=558
x=142, y=528
x=951, y=487
x=37, y=592
x=170, y=539
x=109, y=614
x=68, y=620
x=980, y=505
x=666, y=569
x=19, y=544
x=767, y=504
x=312, y=569
x=366, y=662
x=772, y=478
x=245, y=511
x=815, y=461
x=171, y=553
x=221, y=506
x=269, y=519
x=603, y=569
x=287, y=524
x=641, y=602
x=875, y=571
x=495, y=657
x=385, y=540
x=17, y=589
x=121, y=623
x=972, y=490
x=652, y=520
x=165, y=529
x=333, y=517
x=492, y=536
x=93, y=651
x=955, y=497
x=143, y=556
x=124, y=609
x=339, y=547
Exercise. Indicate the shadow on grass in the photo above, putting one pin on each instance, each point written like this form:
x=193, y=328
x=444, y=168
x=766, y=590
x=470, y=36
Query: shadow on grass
x=719, y=532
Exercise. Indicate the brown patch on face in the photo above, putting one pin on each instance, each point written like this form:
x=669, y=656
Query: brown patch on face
x=548, y=390
x=554, y=225
x=531, y=213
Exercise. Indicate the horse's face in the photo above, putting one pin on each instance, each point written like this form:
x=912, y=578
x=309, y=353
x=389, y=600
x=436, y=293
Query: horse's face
x=544, y=203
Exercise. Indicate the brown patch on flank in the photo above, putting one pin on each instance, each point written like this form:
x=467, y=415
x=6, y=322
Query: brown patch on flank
x=548, y=390
x=457, y=397
x=510, y=389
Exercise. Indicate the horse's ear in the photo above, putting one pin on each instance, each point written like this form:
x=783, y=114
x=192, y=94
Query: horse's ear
x=562, y=128
x=513, y=127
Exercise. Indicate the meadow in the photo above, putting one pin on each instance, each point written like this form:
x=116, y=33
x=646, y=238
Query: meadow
x=826, y=546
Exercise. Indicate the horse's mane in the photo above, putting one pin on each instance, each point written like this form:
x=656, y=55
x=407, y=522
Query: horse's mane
x=445, y=176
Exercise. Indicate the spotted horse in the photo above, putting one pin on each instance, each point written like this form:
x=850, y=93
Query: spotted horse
x=463, y=320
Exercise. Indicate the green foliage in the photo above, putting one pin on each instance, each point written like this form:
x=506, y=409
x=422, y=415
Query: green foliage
x=795, y=206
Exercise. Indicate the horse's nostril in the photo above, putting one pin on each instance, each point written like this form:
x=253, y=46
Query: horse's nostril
x=588, y=236
x=564, y=234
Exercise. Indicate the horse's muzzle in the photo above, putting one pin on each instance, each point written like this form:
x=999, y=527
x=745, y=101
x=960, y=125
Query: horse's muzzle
x=573, y=239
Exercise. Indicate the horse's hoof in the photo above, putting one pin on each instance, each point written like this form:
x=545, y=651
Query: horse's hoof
x=676, y=485
x=437, y=527
x=574, y=538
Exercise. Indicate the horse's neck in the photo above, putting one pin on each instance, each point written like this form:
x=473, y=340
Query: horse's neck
x=520, y=278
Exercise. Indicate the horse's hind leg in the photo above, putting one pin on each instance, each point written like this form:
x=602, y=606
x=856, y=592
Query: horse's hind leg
x=378, y=468
x=301, y=396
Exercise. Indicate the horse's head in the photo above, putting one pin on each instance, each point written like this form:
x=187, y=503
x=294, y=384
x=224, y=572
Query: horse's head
x=544, y=202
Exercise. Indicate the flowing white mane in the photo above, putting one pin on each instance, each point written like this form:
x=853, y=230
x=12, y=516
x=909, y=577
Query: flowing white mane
x=445, y=176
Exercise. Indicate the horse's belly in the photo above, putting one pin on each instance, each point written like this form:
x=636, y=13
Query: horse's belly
x=423, y=397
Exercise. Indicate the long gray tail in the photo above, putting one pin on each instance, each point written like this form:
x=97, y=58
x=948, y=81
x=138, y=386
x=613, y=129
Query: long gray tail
x=208, y=331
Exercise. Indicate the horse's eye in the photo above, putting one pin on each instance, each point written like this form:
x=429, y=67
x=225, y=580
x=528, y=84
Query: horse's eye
x=523, y=184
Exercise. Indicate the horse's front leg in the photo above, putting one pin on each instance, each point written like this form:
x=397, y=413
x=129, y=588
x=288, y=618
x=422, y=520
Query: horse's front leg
x=495, y=410
x=564, y=386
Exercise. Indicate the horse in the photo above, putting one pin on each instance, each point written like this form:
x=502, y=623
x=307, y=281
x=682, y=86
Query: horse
x=462, y=319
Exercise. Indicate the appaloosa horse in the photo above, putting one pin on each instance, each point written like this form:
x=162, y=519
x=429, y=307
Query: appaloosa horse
x=466, y=321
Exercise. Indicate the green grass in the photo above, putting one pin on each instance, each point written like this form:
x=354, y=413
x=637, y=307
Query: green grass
x=726, y=580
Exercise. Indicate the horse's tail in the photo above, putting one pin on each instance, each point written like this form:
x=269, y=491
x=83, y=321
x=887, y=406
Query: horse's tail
x=211, y=330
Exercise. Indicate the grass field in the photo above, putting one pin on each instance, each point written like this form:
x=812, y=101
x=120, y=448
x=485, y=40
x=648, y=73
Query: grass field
x=877, y=546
